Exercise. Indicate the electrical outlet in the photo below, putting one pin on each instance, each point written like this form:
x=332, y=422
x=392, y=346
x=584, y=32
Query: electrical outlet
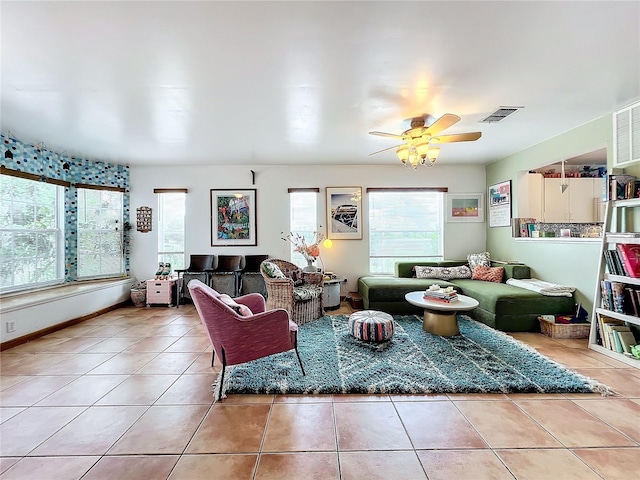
x=11, y=326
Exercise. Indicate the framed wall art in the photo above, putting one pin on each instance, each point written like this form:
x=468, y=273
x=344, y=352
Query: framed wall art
x=233, y=218
x=344, y=213
x=499, y=196
x=465, y=207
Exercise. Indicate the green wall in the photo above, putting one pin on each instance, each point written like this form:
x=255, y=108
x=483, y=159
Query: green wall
x=573, y=264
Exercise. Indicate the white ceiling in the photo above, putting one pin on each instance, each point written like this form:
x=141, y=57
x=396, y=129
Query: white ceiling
x=303, y=82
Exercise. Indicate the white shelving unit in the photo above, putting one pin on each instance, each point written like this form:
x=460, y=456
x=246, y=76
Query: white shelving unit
x=614, y=212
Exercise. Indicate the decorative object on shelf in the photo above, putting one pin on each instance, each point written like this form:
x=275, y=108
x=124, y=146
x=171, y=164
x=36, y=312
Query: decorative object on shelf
x=143, y=219
x=344, y=207
x=500, y=204
x=465, y=207
x=233, y=218
x=310, y=251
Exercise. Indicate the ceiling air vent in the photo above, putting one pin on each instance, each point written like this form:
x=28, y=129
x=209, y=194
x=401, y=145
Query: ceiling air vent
x=500, y=114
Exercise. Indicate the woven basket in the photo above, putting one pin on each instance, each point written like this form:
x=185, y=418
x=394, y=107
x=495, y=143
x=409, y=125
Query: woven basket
x=564, y=330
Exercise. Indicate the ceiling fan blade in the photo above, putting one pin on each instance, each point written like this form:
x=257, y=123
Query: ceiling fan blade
x=444, y=122
x=384, y=134
x=457, y=137
x=385, y=149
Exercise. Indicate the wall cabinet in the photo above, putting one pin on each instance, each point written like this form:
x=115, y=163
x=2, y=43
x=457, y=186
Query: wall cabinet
x=530, y=196
x=576, y=204
x=626, y=134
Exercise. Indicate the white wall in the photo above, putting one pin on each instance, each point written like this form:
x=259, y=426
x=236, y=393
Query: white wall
x=348, y=258
x=50, y=307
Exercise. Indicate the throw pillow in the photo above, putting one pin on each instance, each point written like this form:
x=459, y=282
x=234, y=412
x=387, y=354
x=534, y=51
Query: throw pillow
x=488, y=274
x=443, y=273
x=237, y=307
x=296, y=276
x=272, y=270
x=476, y=259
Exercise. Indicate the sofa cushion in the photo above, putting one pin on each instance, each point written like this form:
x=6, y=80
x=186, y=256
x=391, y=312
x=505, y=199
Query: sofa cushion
x=406, y=269
x=503, y=300
x=443, y=273
x=237, y=307
x=392, y=289
x=488, y=274
x=476, y=259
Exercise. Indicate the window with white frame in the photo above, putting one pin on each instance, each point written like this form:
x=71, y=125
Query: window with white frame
x=303, y=219
x=171, y=228
x=31, y=233
x=101, y=250
x=404, y=225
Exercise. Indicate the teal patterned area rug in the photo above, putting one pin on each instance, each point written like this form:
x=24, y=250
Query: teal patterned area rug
x=479, y=360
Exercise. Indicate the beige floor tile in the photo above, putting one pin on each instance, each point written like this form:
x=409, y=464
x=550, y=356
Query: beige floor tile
x=477, y=396
x=74, y=345
x=231, y=429
x=438, y=425
x=202, y=364
x=91, y=433
x=611, y=463
x=177, y=330
x=621, y=414
x=7, y=462
x=152, y=344
x=311, y=465
x=124, y=363
x=24, y=432
x=215, y=467
x=161, y=430
x=138, y=390
x=7, y=381
x=113, y=345
x=190, y=389
x=168, y=363
x=189, y=345
x=619, y=380
x=369, y=426
x=303, y=398
x=545, y=464
x=78, y=364
x=50, y=468
x=105, y=331
x=504, y=425
x=290, y=424
x=351, y=398
x=9, y=412
x=132, y=468
x=431, y=397
x=380, y=465
x=32, y=390
x=463, y=464
x=86, y=391
x=33, y=364
x=572, y=426
x=246, y=398
x=572, y=358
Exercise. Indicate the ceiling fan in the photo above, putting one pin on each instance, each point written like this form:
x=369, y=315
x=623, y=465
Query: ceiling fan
x=421, y=142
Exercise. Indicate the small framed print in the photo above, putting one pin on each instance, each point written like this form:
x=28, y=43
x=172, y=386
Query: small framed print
x=344, y=213
x=233, y=217
x=465, y=207
x=499, y=197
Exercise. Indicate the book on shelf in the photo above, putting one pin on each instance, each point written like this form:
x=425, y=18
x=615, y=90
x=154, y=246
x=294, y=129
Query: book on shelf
x=614, y=331
x=605, y=323
x=618, y=187
x=630, y=256
x=632, y=299
x=627, y=340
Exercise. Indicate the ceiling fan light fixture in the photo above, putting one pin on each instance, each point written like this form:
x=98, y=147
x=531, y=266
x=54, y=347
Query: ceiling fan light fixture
x=422, y=148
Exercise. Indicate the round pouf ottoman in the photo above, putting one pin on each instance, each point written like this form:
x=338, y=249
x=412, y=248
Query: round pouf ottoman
x=371, y=326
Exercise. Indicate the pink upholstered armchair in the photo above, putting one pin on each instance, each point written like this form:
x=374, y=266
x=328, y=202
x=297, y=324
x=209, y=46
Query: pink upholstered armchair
x=240, y=334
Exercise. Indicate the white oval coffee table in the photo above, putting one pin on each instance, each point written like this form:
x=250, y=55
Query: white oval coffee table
x=440, y=317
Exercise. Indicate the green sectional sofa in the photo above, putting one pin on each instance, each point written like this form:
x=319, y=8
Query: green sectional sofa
x=501, y=306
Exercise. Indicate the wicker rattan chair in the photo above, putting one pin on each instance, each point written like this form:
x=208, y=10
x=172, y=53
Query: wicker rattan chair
x=299, y=293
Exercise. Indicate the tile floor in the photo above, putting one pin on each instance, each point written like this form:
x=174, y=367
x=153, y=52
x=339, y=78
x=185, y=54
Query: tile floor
x=128, y=395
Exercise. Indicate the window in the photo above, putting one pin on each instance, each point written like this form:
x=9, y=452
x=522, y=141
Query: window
x=31, y=233
x=303, y=219
x=171, y=233
x=100, y=239
x=404, y=225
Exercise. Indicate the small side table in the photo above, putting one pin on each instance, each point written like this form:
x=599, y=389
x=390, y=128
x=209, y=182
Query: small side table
x=332, y=293
x=161, y=291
